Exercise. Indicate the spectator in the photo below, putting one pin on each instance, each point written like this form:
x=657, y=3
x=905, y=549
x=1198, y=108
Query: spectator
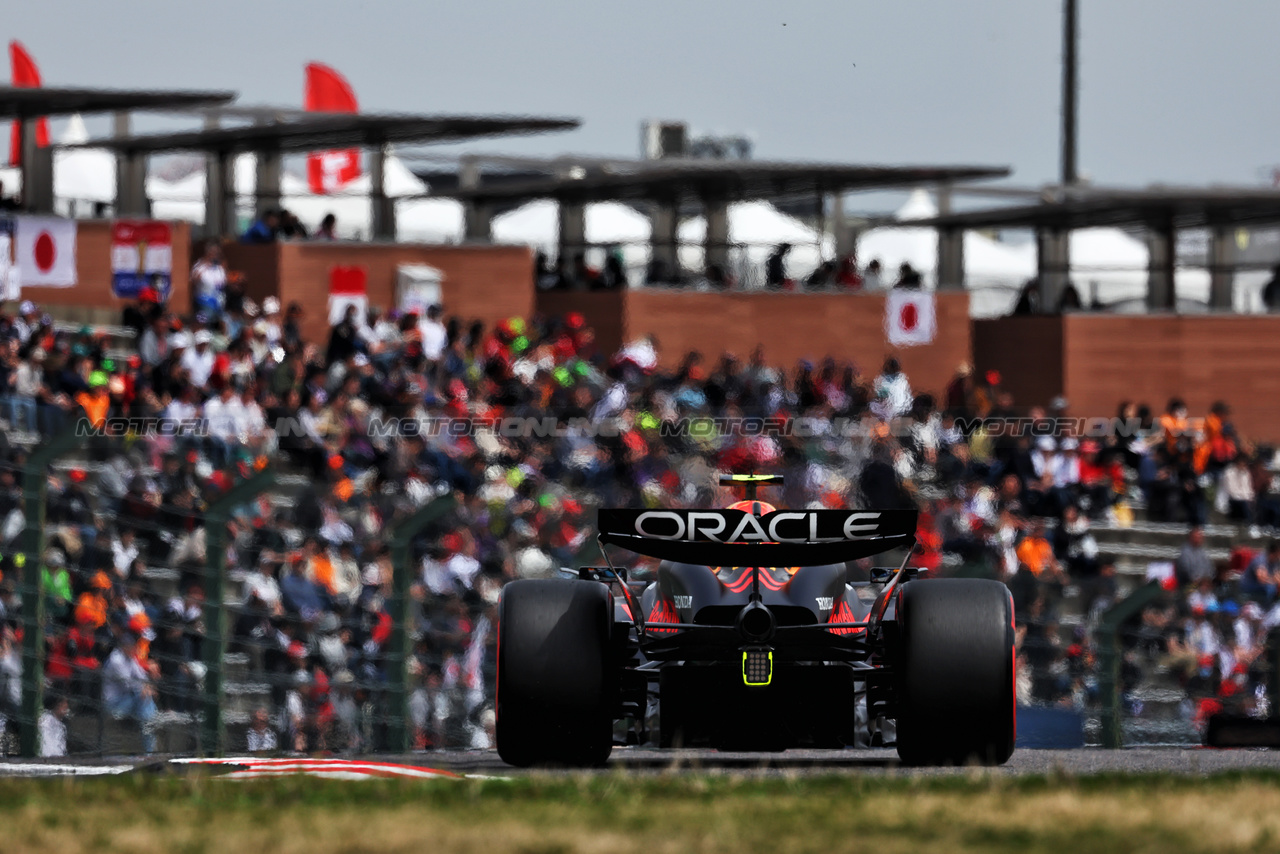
x=198, y=360
x=873, y=277
x=1237, y=485
x=261, y=738
x=434, y=336
x=775, y=274
x=1271, y=291
x=53, y=727
x=291, y=228
x=847, y=275
x=908, y=277
x=1261, y=577
x=127, y=691
x=209, y=279
x=328, y=228
x=893, y=391
x=1193, y=564
x=264, y=229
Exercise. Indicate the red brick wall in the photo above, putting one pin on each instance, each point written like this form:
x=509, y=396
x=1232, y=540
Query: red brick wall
x=487, y=283
x=1202, y=359
x=791, y=327
x=1028, y=353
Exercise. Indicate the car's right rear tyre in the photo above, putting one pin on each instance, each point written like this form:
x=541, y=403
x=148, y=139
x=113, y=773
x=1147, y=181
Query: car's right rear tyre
x=956, y=677
x=555, y=684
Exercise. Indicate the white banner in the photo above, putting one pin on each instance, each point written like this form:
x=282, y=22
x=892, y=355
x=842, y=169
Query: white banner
x=45, y=251
x=10, y=287
x=910, y=317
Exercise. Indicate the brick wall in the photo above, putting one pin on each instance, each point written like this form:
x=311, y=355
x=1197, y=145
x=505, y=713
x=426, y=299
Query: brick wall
x=487, y=283
x=1028, y=353
x=790, y=327
x=1202, y=359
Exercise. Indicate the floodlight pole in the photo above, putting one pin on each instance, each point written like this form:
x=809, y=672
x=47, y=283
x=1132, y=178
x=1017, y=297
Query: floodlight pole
x=1070, y=90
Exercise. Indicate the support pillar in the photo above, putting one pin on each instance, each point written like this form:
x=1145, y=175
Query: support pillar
x=1222, y=275
x=219, y=189
x=477, y=217
x=383, y=220
x=845, y=237
x=573, y=230
x=267, y=183
x=1053, y=267
x=37, y=172
x=666, y=241
x=131, y=184
x=715, y=244
x=950, y=259
x=1160, y=264
x=120, y=126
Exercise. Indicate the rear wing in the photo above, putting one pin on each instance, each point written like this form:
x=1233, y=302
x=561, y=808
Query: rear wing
x=737, y=538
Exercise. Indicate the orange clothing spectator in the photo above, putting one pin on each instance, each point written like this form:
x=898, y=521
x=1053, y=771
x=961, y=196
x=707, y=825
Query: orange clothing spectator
x=1036, y=553
x=320, y=570
x=95, y=404
x=91, y=609
x=1216, y=445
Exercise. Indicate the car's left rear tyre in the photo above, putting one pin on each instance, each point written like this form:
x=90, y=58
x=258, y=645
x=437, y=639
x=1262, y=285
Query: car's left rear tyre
x=555, y=684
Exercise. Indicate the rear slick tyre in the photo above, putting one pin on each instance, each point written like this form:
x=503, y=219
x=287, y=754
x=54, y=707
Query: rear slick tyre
x=555, y=685
x=956, y=682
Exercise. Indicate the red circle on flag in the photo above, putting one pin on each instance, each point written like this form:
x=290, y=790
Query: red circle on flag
x=46, y=252
x=909, y=317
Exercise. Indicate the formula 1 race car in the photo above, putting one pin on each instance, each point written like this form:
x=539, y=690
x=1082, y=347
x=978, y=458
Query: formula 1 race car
x=752, y=638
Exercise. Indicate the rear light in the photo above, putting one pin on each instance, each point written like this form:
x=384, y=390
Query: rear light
x=757, y=666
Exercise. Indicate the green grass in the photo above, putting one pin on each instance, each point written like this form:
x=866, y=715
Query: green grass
x=617, y=813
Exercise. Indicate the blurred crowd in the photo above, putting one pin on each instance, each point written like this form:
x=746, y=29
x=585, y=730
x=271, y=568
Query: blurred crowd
x=395, y=410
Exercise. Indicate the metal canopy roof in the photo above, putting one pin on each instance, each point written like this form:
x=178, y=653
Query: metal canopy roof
x=321, y=131
x=716, y=179
x=1190, y=208
x=20, y=103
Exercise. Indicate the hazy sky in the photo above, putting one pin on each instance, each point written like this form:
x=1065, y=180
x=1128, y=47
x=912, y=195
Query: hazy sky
x=1171, y=90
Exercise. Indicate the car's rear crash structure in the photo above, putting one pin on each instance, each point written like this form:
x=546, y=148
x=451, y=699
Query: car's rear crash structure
x=751, y=638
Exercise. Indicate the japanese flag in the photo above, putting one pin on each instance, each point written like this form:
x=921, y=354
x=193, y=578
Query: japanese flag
x=910, y=318
x=45, y=251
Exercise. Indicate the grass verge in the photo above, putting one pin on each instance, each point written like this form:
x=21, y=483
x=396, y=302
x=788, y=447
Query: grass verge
x=142, y=814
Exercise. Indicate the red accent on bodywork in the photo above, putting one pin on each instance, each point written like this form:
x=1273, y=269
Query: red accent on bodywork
x=842, y=613
x=663, y=612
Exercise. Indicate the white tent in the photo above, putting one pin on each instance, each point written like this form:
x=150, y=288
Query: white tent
x=537, y=224
x=419, y=219
x=1108, y=264
x=758, y=227
x=82, y=176
x=993, y=270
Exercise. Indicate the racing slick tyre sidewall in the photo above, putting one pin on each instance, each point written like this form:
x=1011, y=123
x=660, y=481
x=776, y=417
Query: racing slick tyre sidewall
x=956, y=672
x=555, y=686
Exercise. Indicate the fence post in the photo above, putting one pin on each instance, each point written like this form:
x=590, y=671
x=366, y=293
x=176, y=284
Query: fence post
x=402, y=615
x=215, y=623
x=1109, y=659
x=35, y=487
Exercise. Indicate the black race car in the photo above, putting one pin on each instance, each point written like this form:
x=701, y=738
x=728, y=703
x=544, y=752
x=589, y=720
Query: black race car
x=752, y=638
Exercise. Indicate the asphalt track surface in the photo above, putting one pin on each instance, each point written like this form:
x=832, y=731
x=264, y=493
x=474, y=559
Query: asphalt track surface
x=642, y=761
